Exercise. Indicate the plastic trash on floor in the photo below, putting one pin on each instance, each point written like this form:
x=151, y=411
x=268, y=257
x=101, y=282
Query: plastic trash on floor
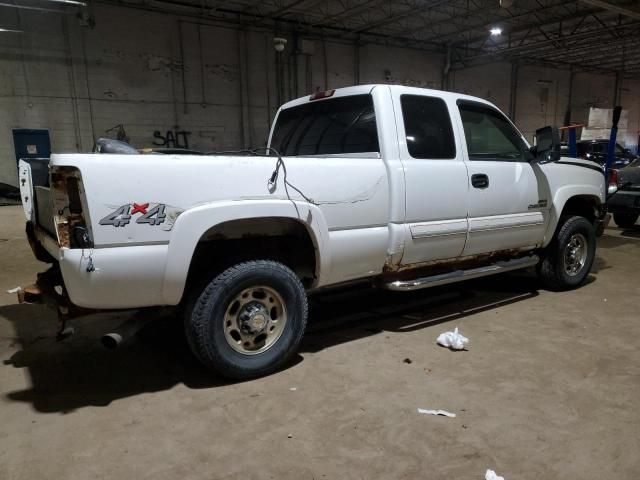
x=453, y=340
x=444, y=413
x=491, y=475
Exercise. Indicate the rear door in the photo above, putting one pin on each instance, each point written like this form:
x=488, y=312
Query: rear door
x=436, y=179
x=508, y=195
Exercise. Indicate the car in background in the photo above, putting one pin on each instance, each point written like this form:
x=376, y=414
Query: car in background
x=596, y=150
x=624, y=204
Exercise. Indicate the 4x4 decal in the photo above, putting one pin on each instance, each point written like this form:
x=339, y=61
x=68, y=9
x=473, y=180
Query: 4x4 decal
x=122, y=216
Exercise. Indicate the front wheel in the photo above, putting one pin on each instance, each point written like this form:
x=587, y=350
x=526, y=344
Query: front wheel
x=567, y=260
x=625, y=220
x=249, y=320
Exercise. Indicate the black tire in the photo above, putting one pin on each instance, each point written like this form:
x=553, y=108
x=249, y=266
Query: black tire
x=551, y=269
x=625, y=220
x=207, y=330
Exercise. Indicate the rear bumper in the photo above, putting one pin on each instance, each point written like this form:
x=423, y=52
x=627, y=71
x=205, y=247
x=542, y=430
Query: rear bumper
x=122, y=277
x=624, y=202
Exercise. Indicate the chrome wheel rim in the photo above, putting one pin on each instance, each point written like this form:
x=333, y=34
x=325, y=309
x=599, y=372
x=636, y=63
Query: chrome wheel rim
x=575, y=254
x=254, y=320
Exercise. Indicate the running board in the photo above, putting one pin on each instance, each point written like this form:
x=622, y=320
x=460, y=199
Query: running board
x=459, y=275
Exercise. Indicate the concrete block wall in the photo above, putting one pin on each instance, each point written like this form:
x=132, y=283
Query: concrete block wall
x=155, y=72
x=490, y=81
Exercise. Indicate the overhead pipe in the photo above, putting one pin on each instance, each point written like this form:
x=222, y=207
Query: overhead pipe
x=446, y=69
x=38, y=9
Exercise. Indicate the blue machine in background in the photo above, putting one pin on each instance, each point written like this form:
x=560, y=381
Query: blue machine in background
x=611, y=151
x=31, y=143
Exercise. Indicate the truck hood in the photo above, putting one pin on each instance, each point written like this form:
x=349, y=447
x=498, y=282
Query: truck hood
x=581, y=162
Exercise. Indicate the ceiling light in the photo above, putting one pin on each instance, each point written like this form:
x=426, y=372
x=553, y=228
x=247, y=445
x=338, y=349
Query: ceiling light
x=70, y=2
x=495, y=31
x=10, y=30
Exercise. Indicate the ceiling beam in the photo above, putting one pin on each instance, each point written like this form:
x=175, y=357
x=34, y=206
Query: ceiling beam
x=513, y=19
x=349, y=12
x=565, y=20
x=613, y=8
x=537, y=45
x=393, y=18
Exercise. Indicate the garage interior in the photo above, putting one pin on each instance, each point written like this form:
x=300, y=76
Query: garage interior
x=549, y=385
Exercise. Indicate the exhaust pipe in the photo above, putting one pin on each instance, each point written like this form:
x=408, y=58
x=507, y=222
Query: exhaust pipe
x=123, y=333
x=111, y=341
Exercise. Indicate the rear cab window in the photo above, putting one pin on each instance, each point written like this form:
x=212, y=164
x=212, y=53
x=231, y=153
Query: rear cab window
x=490, y=135
x=342, y=125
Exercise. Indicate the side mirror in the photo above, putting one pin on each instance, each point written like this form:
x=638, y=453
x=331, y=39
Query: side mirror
x=547, y=147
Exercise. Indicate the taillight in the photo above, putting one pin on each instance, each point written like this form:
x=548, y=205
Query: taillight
x=69, y=217
x=612, y=185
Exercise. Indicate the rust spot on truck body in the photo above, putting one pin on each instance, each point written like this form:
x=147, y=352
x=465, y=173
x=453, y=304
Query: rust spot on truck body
x=436, y=267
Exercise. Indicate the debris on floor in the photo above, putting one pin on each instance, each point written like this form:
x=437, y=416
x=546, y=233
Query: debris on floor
x=293, y=389
x=491, y=475
x=407, y=360
x=443, y=413
x=452, y=340
x=14, y=290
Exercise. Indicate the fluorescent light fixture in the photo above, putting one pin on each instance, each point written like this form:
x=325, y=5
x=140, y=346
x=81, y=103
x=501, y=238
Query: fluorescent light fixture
x=495, y=31
x=10, y=30
x=70, y=2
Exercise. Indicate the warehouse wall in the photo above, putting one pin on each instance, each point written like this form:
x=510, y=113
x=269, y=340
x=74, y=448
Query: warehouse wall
x=160, y=73
x=544, y=94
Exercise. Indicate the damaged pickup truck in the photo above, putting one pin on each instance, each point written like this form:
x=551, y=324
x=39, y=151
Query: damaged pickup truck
x=405, y=187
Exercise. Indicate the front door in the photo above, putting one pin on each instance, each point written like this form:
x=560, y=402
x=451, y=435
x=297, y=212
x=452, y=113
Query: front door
x=508, y=195
x=436, y=179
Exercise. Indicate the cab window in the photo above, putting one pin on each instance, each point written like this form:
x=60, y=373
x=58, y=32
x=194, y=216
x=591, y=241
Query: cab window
x=427, y=127
x=489, y=135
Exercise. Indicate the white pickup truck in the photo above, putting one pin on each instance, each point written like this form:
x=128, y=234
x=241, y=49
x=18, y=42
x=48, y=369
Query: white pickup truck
x=406, y=187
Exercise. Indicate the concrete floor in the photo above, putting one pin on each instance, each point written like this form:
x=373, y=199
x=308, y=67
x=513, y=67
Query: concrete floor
x=549, y=388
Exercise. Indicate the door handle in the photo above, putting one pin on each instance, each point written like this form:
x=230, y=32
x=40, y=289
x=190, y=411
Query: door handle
x=479, y=180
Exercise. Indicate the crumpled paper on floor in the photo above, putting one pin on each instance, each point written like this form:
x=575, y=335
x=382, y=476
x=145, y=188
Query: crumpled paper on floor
x=453, y=340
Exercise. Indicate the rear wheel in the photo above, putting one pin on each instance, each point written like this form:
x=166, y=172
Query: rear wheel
x=249, y=320
x=568, y=259
x=625, y=220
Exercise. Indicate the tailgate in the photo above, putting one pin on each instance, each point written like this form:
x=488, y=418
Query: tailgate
x=35, y=193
